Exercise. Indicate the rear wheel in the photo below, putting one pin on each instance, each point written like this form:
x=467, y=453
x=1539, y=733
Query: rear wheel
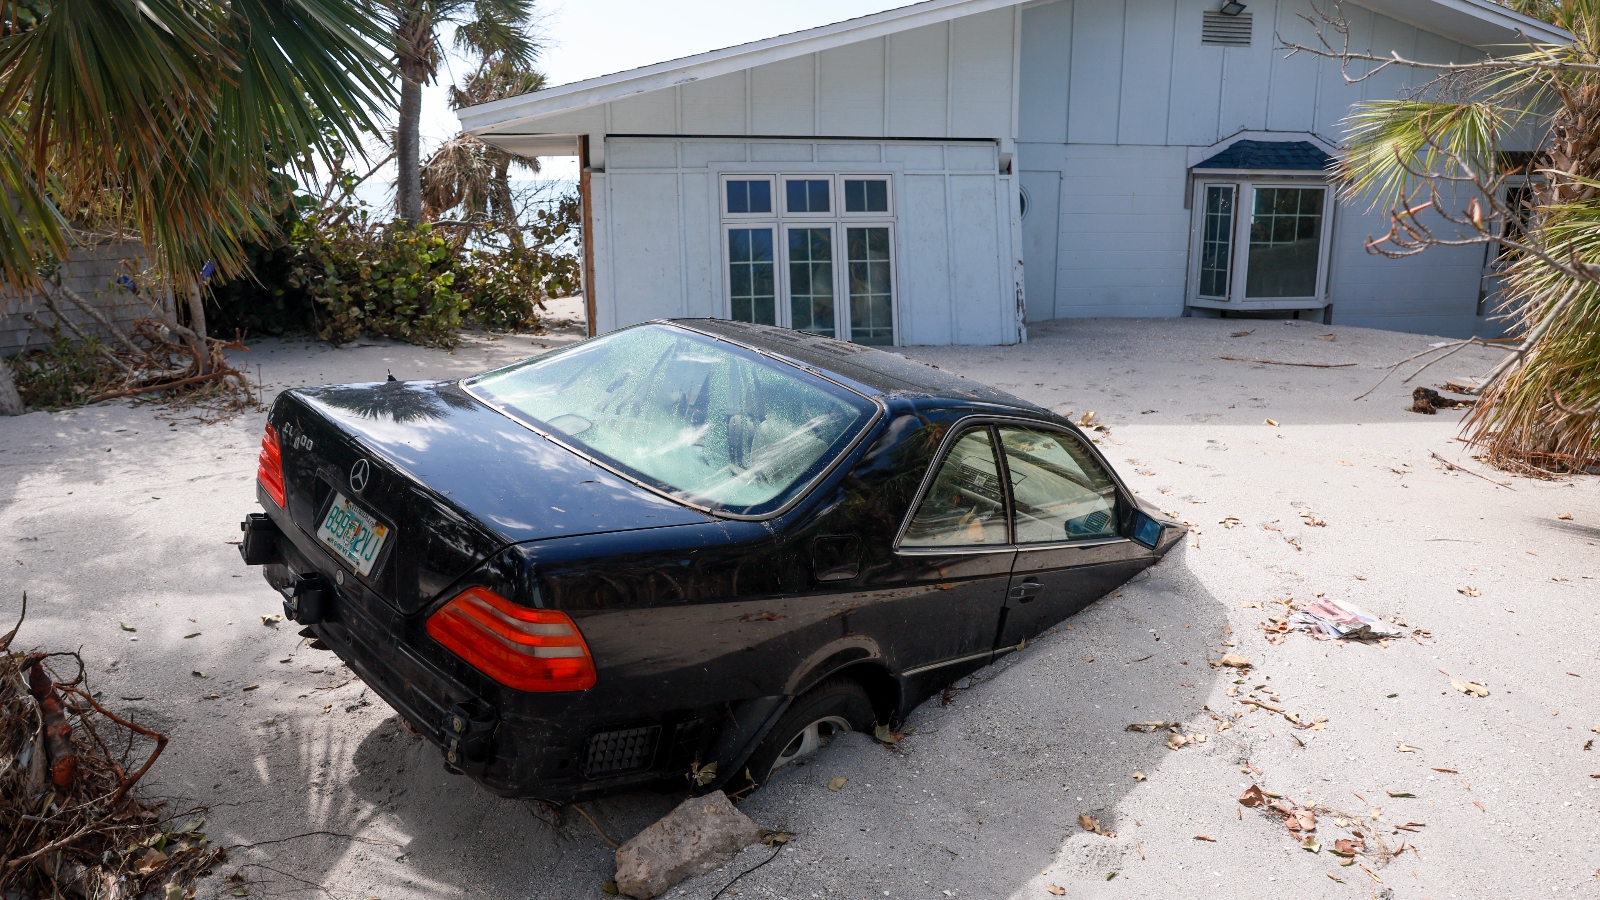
x=816, y=718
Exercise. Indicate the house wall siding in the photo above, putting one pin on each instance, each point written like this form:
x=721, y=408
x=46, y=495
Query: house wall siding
x=91, y=272
x=658, y=227
x=1114, y=92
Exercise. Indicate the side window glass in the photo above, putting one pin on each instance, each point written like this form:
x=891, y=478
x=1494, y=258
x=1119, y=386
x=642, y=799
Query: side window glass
x=965, y=505
x=1060, y=492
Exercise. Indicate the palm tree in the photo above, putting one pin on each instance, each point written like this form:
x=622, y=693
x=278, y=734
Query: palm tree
x=166, y=119
x=497, y=27
x=468, y=173
x=1437, y=161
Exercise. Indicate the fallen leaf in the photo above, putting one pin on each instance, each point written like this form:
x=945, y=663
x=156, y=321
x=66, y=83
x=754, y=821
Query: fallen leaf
x=1253, y=796
x=1470, y=688
x=1251, y=604
x=1201, y=837
x=1311, y=844
x=1329, y=337
x=1056, y=889
x=609, y=889
x=1234, y=660
x=1469, y=591
x=195, y=635
x=127, y=627
x=1273, y=422
x=198, y=674
x=1138, y=776
x=1334, y=877
x=1565, y=516
x=1229, y=521
x=149, y=861
x=1400, y=793
x=836, y=783
x=1446, y=771
x=1243, y=333
x=271, y=620
x=885, y=736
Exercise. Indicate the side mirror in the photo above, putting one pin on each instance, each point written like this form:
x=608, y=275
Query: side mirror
x=1146, y=530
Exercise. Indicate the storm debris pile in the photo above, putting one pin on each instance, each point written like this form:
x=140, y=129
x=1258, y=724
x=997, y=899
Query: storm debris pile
x=70, y=825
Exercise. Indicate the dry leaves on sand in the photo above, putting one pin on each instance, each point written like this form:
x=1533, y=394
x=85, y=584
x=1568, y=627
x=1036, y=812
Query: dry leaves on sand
x=1090, y=823
x=1298, y=819
x=1470, y=688
x=1469, y=591
x=1055, y=889
x=1234, y=661
x=836, y=783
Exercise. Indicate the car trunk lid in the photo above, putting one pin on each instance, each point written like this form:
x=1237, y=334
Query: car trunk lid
x=449, y=480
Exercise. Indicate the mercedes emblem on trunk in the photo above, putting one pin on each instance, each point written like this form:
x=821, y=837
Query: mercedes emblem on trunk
x=358, y=475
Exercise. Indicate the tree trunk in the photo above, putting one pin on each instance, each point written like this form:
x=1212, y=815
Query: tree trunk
x=10, y=400
x=505, y=208
x=408, y=146
x=197, y=324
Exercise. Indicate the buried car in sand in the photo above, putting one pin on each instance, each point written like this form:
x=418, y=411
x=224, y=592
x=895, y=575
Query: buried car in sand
x=684, y=547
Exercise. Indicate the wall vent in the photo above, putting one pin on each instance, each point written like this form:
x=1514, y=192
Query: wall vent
x=1225, y=31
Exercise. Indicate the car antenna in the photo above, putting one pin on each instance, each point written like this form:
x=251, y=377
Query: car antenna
x=391, y=376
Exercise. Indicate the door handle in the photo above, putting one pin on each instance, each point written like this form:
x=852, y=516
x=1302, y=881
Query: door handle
x=1026, y=591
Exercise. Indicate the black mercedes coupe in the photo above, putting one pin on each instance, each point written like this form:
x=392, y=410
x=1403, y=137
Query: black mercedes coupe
x=687, y=548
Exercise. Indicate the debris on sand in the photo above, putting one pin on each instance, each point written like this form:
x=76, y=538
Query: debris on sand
x=70, y=825
x=1427, y=401
x=701, y=834
x=1327, y=618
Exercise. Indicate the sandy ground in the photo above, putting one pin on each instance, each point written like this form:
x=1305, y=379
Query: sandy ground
x=120, y=515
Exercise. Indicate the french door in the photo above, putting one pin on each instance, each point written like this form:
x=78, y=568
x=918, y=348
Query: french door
x=817, y=264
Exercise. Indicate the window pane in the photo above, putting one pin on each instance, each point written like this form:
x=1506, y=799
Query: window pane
x=1216, y=240
x=1060, y=492
x=750, y=276
x=866, y=196
x=698, y=418
x=749, y=196
x=964, y=506
x=811, y=279
x=871, y=300
x=805, y=196
x=1285, y=242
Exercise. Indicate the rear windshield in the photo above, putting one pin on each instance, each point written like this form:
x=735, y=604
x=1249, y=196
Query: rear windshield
x=703, y=420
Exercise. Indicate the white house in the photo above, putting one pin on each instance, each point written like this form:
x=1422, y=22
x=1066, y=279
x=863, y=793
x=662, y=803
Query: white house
x=949, y=171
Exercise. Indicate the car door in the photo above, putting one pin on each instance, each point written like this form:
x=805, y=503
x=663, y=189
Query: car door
x=1068, y=519
x=954, y=552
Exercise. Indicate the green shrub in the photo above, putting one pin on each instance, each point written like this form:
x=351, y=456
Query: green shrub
x=63, y=373
x=340, y=275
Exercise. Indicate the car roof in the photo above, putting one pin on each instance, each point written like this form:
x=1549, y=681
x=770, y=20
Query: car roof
x=882, y=371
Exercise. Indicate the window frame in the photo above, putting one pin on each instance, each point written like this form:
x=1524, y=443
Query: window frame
x=837, y=221
x=751, y=224
x=1126, y=506
x=1245, y=185
x=722, y=196
x=884, y=177
x=780, y=200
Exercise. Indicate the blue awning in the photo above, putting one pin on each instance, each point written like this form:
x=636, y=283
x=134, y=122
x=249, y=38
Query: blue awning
x=1280, y=155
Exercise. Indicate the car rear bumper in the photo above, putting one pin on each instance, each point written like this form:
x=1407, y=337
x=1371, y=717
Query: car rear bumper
x=513, y=752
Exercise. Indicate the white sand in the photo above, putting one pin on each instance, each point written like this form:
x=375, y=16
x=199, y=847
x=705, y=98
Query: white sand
x=112, y=515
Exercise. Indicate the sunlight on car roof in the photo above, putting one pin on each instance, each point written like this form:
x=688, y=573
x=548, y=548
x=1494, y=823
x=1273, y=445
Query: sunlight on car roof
x=706, y=421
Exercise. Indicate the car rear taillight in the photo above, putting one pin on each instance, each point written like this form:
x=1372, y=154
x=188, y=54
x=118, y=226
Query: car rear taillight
x=269, y=466
x=522, y=648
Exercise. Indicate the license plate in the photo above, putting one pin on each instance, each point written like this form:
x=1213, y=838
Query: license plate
x=353, y=533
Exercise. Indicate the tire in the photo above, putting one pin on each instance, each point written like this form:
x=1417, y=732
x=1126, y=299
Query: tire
x=834, y=706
